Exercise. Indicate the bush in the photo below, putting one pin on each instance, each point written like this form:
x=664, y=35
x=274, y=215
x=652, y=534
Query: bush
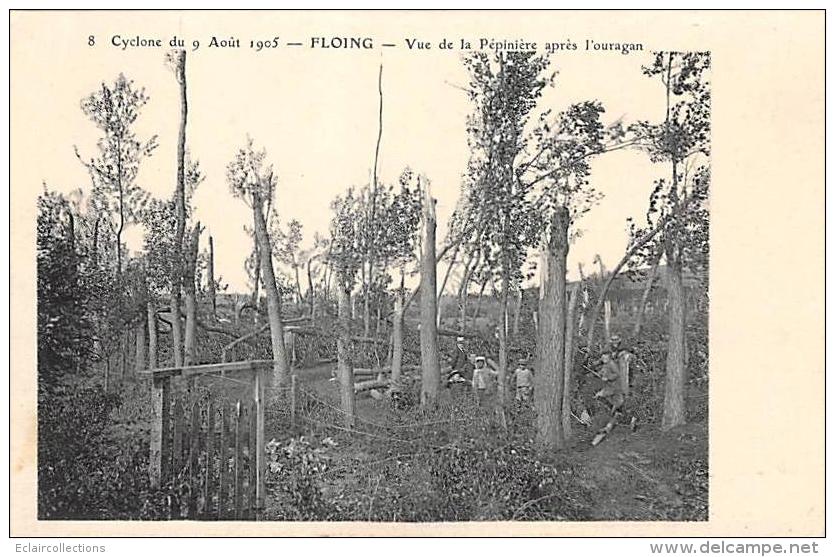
x=453, y=463
x=85, y=472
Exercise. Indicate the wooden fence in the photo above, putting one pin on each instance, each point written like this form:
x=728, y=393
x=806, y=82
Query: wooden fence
x=208, y=442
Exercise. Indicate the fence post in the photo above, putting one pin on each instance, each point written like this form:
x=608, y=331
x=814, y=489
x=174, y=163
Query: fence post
x=260, y=460
x=293, y=393
x=160, y=447
x=239, y=458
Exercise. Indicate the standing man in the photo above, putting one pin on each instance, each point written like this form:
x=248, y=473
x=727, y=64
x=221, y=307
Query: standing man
x=461, y=369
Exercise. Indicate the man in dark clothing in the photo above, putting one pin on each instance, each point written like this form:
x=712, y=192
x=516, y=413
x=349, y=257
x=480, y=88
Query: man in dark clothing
x=462, y=368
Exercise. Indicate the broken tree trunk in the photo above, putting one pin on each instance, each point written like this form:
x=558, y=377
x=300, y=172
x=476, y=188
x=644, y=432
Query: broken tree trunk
x=639, y=319
x=368, y=385
x=676, y=377
x=429, y=354
x=570, y=344
x=153, y=359
x=444, y=282
x=281, y=369
x=638, y=244
x=607, y=321
x=344, y=368
x=180, y=201
x=189, y=289
x=550, y=379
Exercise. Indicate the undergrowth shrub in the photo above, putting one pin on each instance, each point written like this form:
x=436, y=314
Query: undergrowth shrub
x=86, y=470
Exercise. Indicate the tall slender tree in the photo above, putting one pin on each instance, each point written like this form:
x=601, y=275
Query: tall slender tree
x=114, y=109
x=177, y=62
x=504, y=89
x=253, y=182
x=678, y=202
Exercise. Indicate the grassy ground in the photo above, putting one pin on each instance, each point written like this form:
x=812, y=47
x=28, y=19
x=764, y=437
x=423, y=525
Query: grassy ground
x=391, y=469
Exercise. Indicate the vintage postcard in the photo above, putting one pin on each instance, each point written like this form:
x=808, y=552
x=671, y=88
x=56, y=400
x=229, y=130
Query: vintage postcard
x=383, y=273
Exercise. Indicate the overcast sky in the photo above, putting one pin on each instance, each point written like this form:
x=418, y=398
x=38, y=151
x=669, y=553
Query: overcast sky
x=315, y=112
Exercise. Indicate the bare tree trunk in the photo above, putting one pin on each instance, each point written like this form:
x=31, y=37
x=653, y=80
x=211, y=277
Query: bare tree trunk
x=345, y=367
x=189, y=348
x=327, y=281
x=372, y=221
x=639, y=319
x=180, y=200
x=212, y=283
x=281, y=368
x=550, y=379
x=638, y=244
x=139, y=358
x=397, y=334
x=379, y=317
x=517, y=310
x=121, y=189
x=256, y=289
x=429, y=354
x=607, y=321
x=153, y=361
x=311, y=293
x=676, y=378
x=480, y=298
x=502, y=379
x=443, y=283
x=570, y=333
x=463, y=291
x=176, y=330
x=299, y=296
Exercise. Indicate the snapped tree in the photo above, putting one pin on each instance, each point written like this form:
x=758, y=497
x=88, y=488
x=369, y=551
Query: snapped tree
x=254, y=183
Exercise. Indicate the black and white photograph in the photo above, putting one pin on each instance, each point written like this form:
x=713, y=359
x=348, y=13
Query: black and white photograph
x=348, y=267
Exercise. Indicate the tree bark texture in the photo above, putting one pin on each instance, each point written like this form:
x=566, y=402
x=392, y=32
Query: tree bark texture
x=550, y=376
x=281, y=368
x=429, y=354
x=345, y=367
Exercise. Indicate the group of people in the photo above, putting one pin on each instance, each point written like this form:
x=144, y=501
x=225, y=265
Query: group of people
x=481, y=374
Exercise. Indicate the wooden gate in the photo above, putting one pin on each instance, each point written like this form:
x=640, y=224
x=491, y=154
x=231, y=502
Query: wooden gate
x=207, y=438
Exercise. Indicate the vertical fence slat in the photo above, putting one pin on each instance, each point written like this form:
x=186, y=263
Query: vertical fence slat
x=208, y=482
x=293, y=393
x=160, y=448
x=177, y=450
x=217, y=460
x=252, y=505
x=194, y=453
x=224, y=460
x=260, y=456
x=238, y=468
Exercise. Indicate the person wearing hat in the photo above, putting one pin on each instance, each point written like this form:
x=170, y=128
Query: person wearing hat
x=461, y=368
x=523, y=375
x=482, y=378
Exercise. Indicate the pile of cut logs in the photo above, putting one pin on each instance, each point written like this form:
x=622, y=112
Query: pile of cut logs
x=368, y=379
